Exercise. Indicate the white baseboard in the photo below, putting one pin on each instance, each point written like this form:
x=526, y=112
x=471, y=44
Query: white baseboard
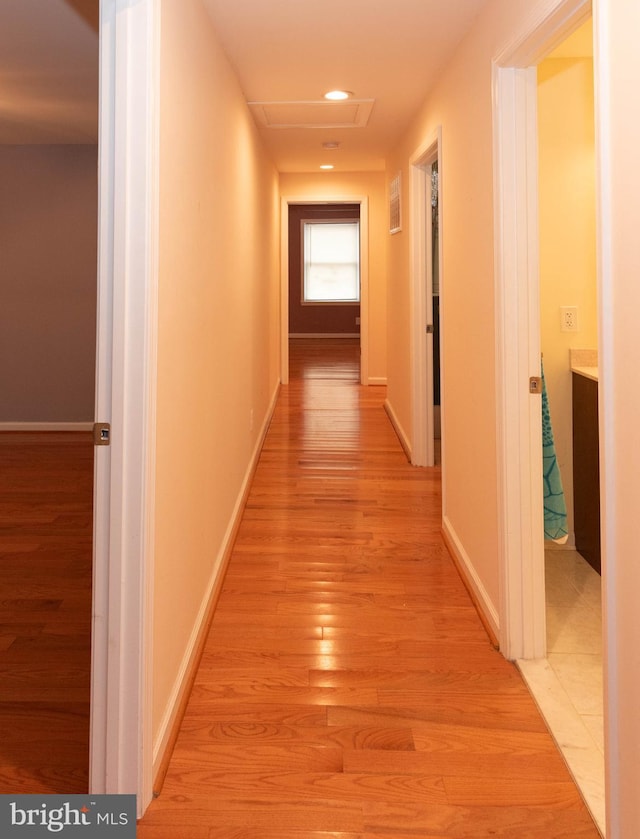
x=483, y=601
x=395, y=422
x=377, y=380
x=46, y=426
x=324, y=335
x=182, y=684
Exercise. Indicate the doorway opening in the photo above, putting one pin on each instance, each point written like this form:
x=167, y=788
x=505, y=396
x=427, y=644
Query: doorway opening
x=342, y=319
x=569, y=342
x=324, y=289
x=49, y=211
x=435, y=310
x=523, y=615
x=426, y=286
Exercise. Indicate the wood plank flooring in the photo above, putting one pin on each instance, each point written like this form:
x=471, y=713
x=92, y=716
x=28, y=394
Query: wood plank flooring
x=348, y=689
x=46, y=491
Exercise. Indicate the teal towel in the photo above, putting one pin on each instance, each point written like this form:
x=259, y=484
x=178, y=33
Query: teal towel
x=555, y=510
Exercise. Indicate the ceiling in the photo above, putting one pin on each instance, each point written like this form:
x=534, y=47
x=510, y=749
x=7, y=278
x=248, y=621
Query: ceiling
x=286, y=53
x=386, y=52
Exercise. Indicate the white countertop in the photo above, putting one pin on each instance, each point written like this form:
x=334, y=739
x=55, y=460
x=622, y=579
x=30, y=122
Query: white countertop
x=587, y=372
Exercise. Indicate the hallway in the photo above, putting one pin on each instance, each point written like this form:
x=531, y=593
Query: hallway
x=348, y=688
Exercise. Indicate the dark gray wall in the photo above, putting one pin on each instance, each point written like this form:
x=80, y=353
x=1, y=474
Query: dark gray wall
x=325, y=318
x=48, y=282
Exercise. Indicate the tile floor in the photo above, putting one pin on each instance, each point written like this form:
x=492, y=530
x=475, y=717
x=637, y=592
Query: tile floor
x=567, y=685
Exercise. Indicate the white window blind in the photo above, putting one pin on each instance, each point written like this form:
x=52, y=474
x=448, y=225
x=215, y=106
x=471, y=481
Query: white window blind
x=331, y=255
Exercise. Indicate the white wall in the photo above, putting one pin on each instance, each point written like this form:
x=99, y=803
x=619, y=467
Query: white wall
x=218, y=328
x=617, y=68
x=462, y=103
x=48, y=274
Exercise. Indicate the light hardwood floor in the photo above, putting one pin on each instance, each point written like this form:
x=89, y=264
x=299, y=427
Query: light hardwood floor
x=348, y=689
x=46, y=489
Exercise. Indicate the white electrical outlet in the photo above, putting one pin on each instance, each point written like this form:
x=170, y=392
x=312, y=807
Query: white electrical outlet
x=568, y=318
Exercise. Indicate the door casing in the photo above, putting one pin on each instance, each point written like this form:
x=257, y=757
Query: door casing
x=517, y=348
x=121, y=748
x=423, y=429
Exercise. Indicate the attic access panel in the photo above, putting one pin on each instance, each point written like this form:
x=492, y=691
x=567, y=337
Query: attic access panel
x=313, y=114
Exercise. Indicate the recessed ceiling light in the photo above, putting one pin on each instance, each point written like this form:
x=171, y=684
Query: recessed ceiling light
x=337, y=95
x=331, y=144
x=327, y=166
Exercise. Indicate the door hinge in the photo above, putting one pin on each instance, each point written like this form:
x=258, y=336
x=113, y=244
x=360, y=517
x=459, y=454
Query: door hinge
x=535, y=384
x=101, y=434
x=429, y=328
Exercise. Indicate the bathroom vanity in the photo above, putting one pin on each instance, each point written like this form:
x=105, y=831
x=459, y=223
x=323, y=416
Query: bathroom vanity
x=586, y=467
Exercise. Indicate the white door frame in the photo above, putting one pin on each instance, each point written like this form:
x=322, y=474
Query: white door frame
x=121, y=736
x=363, y=201
x=517, y=357
x=423, y=431
x=519, y=418
x=519, y=434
